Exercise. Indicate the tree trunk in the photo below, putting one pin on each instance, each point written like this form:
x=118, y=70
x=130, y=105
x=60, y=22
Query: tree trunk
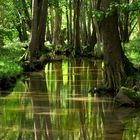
x=51, y=22
x=42, y=23
x=116, y=65
x=77, y=46
x=138, y=23
x=124, y=27
x=89, y=15
x=48, y=31
x=34, y=31
x=68, y=23
x=57, y=25
x=84, y=24
x=39, y=13
x=93, y=39
x=26, y=12
x=71, y=25
x=95, y=36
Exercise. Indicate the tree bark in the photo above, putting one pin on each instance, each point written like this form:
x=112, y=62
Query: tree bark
x=77, y=45
x=42, y=23
x=39, y=13
x=68, y=23
x=51, y=22
x=116, y=65
x=71, y=25
x=34, y=29
x=95, y=36
x=57, y=25
x=84, y=24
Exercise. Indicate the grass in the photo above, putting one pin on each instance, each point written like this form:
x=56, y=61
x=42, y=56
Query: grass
x=9, y=59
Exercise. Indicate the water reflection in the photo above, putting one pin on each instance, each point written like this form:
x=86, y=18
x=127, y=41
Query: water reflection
x=54, y=104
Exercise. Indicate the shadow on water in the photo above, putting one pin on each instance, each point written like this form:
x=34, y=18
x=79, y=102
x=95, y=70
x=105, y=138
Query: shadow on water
x=54, y=104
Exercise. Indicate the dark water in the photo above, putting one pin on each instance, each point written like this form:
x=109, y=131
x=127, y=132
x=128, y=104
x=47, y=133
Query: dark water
x=54, y=104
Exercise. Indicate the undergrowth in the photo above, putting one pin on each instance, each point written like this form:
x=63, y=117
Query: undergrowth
x=9, y=59
x=132, y=51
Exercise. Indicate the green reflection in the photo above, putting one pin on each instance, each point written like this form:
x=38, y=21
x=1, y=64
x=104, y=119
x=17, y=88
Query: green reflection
x=14, y=117
x=54, y=104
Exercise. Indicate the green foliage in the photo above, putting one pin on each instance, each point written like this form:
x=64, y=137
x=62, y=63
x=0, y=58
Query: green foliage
x=9, y=56
x=13, y=50
x=132, y=50
x=99, y=15
x=6, y=35
x=9, y=68
x=121, y=8
x=12, y=18
x=7, y=20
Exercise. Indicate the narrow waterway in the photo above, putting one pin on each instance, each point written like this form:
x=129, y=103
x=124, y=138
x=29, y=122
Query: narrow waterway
x=54, y=104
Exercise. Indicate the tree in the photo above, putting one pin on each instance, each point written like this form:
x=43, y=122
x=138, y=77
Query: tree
x=7, y=21
x=77, y=45
x=57, y=23
x=116, y=65
x=39, y=13
x=20, y=22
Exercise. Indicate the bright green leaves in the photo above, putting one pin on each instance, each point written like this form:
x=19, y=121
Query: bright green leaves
x=9, y=56
x=132, y=50
x=9, y=68
x=99, y=15
x=121, y=8
x=127, y=7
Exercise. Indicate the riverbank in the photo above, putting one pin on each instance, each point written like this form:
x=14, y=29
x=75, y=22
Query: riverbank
x=10, y=67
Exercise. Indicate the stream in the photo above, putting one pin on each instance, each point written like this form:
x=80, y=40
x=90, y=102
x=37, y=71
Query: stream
x=55, y=104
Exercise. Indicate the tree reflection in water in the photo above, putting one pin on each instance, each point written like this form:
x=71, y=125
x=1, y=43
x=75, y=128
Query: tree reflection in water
x=55, y=105
x=41, y=110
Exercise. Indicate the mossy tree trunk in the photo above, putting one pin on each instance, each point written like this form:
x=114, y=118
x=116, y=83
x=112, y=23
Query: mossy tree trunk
x=116, y=65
